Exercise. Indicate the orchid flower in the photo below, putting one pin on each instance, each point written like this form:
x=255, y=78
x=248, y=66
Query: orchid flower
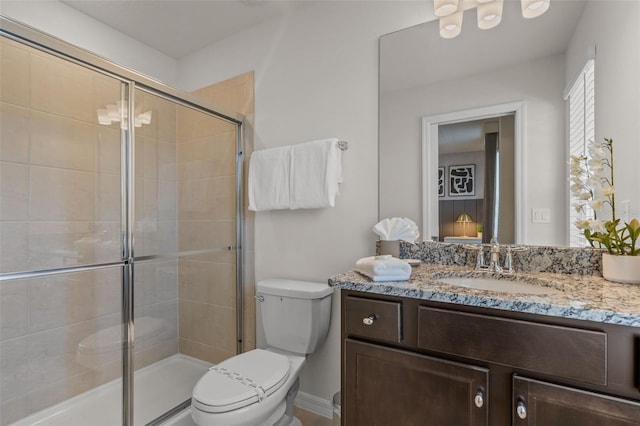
x=592, y=185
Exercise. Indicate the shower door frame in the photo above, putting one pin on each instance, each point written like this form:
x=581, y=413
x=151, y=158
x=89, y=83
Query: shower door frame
x=34, y=38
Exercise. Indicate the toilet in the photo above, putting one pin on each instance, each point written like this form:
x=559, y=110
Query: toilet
x=258, y=388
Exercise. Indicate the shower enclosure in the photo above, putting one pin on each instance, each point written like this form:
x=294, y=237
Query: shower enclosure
x=120, y=238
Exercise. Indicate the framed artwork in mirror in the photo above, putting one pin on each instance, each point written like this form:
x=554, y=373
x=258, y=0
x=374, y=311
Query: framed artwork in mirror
x=462, y=180
x=441, y=182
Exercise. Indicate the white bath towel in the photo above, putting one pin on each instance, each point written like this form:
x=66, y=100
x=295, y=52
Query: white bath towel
x=316, y=173
x=269, y=177
x=384, y=268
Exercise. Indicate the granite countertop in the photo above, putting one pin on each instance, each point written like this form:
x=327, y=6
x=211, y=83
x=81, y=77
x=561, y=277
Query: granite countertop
x=582, y=297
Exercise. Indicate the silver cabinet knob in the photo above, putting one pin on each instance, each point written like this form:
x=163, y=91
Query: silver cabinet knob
x=521, y=410
x=479, y=399
x=369, y=320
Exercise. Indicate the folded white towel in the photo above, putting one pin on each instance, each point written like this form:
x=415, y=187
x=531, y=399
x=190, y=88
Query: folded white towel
x=315, y=174
x=269, y=177
x=397, y=228
x=384, y=268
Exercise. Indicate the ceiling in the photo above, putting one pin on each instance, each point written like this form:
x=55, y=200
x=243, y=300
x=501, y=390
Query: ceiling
x=180, y=27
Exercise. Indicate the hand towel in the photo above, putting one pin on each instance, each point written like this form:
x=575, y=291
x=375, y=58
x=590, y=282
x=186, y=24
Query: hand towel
x=384, y=268
x=269, y=177
x=316, y=173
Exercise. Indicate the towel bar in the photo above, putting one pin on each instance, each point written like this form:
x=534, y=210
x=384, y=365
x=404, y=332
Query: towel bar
x=343, y=145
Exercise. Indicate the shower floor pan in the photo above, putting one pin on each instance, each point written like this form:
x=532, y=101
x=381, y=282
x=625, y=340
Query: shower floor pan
x=158, y=388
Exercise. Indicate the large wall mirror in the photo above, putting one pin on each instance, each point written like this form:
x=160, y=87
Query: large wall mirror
x=443, y=101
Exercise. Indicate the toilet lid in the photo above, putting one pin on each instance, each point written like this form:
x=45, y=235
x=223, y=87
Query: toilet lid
x=240, y=381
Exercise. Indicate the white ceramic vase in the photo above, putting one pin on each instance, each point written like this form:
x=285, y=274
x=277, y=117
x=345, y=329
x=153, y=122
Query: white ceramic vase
x=621, y=269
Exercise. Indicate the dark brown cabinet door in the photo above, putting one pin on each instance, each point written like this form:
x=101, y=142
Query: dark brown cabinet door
x=385, y=387
x=537, y=403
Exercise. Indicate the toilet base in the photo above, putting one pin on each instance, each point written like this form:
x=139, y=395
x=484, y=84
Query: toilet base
x=288, y=421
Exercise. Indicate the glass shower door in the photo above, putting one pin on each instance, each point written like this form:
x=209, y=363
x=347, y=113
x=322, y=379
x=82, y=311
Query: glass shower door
x=60, y=237
x=184, y=251
x=115, y=200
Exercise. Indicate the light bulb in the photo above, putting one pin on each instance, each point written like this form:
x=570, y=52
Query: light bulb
x=489, y=14
x=534, y=8
x=103, y=117
x=450, y=26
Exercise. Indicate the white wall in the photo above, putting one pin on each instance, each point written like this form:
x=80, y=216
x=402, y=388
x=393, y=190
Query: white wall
x=66, y=23
x=617, y=105
x=539, y=83
x=316, y=76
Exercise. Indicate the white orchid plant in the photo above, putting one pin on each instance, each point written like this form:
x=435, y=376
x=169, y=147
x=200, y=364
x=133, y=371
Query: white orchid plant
x=592, y=187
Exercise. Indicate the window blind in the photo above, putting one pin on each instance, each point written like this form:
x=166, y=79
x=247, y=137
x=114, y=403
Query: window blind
x=581, y=100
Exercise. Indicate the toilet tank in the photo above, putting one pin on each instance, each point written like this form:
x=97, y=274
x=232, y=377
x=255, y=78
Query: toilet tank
x=295, y=314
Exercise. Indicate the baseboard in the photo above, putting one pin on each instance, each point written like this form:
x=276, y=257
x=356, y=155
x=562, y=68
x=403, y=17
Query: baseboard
x=319, y=406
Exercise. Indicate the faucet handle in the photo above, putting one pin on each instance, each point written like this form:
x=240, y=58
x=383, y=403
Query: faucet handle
x=480, y=264
x=508, y=261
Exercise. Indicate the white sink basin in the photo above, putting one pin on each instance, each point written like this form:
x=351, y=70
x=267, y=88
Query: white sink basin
x=500, y=285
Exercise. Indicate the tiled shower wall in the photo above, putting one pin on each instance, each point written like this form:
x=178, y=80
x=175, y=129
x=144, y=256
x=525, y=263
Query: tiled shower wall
x=207, y=211
x=206, y=199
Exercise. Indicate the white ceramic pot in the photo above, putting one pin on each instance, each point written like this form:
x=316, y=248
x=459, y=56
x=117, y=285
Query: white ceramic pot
x=621, y=269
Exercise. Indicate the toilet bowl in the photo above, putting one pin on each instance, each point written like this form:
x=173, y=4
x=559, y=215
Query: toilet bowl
x=224, y=398
x=258, y=388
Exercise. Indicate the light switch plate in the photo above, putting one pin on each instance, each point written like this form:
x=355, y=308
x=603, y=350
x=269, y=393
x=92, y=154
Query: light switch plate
x=542, y=215
x=626, y=210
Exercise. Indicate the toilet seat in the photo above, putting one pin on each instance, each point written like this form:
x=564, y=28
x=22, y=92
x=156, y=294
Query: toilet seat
x=240, y=381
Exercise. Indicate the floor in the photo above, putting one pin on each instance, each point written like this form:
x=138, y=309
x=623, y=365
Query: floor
x=310, y=419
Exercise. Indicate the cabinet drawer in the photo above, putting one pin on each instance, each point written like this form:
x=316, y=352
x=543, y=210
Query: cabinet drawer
x=376, y=319
x=560, y=351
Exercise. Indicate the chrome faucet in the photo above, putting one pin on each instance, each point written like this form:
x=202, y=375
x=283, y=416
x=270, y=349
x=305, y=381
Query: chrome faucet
x=494, y=258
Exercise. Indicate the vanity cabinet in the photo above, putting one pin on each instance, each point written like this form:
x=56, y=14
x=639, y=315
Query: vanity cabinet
x=415, y=362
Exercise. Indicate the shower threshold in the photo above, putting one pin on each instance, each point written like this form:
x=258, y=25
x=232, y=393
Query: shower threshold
x=157, y=389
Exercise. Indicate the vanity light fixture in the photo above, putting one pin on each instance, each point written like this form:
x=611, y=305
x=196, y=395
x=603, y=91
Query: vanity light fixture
x=464, y=218
x=489, y=13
